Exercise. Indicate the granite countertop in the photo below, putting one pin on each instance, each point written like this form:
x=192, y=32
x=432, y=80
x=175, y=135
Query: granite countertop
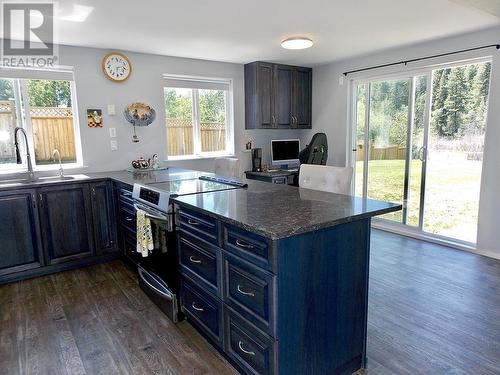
x=120, y=176
x=150, y=177
x=274, y=211
x=278, y=211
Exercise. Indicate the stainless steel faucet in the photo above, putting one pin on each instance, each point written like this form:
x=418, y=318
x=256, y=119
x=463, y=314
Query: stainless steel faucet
x=31, y=174
x=61, y=170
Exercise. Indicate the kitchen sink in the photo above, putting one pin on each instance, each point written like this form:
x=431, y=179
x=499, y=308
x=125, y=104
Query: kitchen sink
x=40, y=180
x=59, y=178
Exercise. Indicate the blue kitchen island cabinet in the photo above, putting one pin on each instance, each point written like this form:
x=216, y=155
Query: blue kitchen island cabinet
x=277, y=277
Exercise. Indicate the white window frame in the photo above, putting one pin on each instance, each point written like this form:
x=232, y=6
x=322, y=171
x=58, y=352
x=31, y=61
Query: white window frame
x=229, y=132
x=23, y=117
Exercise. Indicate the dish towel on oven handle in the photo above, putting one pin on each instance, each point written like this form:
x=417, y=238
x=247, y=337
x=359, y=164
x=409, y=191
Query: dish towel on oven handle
x=144, y=234
x=160, y=237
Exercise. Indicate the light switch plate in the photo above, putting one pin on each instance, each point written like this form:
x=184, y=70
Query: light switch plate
x=114, y=145
x=111, y=110
x=112, y=132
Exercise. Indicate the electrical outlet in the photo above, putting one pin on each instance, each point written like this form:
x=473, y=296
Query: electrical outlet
x=112, y=132
x=111, y=110
x=114, y=145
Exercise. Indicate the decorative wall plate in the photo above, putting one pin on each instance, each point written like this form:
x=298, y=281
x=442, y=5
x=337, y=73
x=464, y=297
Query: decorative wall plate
x=139, y=114
x=116, y=66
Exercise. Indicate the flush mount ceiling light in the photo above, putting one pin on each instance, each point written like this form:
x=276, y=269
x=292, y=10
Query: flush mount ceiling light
x=297, y=43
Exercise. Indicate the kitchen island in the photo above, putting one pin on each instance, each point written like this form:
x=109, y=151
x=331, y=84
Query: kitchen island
x=276, y=277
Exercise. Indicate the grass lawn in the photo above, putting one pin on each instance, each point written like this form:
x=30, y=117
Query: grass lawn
x=452, y=192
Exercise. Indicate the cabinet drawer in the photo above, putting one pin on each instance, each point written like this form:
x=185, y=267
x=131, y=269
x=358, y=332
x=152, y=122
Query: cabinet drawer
x=250, y=291
x=202, y=262
x=251, y=349
x=124, y=193
x=198, y=224
x=128, y=219
x=127, y=205
x=204, y=310
x=250, y=246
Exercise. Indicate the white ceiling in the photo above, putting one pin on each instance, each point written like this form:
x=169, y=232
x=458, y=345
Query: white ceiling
x=244, y=31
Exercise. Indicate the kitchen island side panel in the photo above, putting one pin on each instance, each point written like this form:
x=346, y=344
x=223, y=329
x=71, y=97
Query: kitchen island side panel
x=322, y=300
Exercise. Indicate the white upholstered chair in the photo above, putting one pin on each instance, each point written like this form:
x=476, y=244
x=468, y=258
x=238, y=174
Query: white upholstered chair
x=326, y=178
x=228, y=167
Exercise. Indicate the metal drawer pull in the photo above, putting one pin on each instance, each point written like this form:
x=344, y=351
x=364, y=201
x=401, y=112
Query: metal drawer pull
x=240, y=345
x=129, y=218
x=244, y=245
x=193, y=305
x=194, y=260
x=251, y=294
x=192, y=222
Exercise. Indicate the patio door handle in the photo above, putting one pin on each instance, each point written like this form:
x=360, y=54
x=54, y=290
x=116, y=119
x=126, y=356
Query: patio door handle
x=421, y=152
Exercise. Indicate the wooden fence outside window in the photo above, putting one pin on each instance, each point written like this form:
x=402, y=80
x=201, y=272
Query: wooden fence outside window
x=180, y=136
x=52, y=129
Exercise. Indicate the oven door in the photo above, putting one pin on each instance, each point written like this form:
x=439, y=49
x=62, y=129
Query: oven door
x=159, y=292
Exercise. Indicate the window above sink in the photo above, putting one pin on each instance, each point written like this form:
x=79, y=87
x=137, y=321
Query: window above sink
x=43, y=104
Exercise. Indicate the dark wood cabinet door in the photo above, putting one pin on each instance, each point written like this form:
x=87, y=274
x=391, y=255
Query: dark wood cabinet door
x=302, y=94
x=20, y=247
x=265, y=95
x=283, y=78
x=66, y=222
x=104, y=217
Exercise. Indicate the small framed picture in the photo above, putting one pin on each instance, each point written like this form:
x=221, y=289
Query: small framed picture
x=94, y=118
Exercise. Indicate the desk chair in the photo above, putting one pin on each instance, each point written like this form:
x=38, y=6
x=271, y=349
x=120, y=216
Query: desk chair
x=325, y=178
x=227, y=167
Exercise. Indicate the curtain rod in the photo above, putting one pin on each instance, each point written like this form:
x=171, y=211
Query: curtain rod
x=497, y=46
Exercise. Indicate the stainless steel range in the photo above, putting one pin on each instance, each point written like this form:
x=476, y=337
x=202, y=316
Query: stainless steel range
x=158, y=271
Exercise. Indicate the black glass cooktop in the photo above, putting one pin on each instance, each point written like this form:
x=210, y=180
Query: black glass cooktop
x=193, y=186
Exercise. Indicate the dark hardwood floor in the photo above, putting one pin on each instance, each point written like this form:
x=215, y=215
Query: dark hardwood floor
x=432, y=310
x=95, y=320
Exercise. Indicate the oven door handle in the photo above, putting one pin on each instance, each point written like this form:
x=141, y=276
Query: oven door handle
x=150, y=215
x=167, y=296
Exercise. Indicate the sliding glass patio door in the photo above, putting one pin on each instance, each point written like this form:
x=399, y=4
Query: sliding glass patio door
x=389, y=143
x=418, y=140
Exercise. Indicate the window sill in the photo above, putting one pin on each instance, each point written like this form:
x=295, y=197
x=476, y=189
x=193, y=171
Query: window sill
x=199, y=157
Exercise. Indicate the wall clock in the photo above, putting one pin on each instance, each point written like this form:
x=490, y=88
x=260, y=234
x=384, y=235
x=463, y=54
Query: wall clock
x=116, y=66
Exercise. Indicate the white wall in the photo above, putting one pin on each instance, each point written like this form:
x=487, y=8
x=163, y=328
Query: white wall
x=331, y=109
x=145, y=84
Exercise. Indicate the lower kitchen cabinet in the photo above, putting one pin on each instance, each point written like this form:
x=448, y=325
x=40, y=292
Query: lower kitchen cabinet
x=104, y=218
x=66, y=222
x=19, y=231
x=56, y=227
x=288, y=308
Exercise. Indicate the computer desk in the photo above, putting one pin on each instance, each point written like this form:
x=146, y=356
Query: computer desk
x=276, y=176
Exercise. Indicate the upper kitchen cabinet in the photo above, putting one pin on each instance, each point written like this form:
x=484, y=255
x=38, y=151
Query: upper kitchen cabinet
x=277, y=96
x=302, y=97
